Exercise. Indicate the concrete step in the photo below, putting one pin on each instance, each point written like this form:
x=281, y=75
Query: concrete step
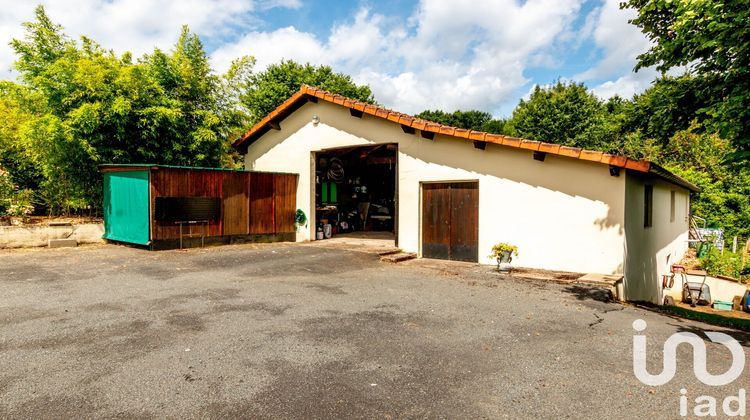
x=398, y=257
x=388, y=251
x=62, y=243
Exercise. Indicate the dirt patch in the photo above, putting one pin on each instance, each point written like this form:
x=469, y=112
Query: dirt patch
x=186, y=322
x=271, y=309
x=331, y=290
x=375, y=381
x=546, y=274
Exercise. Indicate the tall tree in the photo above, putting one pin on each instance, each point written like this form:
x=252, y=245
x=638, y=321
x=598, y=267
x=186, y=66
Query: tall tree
x=564, y=113
x=712, y=40
x=703, y=158
x=96, y=107
x=18, y=106
x=269, y=88
x=44, y=43
x=235, y=118
x=470, y=120
x=191, y=91
x=669, y=105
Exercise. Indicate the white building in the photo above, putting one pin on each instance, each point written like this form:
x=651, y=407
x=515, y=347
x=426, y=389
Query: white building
x=453, y=193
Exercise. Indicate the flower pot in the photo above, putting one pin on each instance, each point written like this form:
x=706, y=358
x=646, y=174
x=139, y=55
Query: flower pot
x=503, y=262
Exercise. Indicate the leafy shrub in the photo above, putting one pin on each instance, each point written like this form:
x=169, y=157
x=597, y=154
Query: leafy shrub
x=726, y=263
x=13, y=202
x=7, y=191
x=21, y=204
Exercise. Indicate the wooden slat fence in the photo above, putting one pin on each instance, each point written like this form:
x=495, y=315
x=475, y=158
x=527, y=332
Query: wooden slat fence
x=252, y=202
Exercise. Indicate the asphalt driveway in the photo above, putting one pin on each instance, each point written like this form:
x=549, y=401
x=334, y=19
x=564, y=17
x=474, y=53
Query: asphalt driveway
x=286, y=331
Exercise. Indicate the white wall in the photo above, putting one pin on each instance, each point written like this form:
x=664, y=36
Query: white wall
x=650, y=251
x=563, y=213
x=720, y=289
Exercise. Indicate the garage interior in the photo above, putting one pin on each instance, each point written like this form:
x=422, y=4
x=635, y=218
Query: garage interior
x=356, y=192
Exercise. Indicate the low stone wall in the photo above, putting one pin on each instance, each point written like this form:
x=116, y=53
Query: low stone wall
x=31, y=236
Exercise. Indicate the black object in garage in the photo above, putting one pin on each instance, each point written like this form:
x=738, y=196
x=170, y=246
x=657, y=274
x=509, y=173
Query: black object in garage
x=175, y=209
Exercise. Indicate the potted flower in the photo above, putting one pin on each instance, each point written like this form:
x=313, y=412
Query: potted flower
x=503, y=253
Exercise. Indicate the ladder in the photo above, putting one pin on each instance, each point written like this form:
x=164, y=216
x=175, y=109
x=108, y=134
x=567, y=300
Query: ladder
x=694, y=234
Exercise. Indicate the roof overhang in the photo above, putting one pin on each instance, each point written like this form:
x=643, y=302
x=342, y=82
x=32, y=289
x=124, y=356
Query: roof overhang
x=428, y=129
x=675, y=179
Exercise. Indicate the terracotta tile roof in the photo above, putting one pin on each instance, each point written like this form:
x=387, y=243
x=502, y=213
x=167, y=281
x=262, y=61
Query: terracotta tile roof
x=309, y=93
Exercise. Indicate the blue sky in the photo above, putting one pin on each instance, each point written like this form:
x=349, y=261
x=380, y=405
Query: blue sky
x=447, y=54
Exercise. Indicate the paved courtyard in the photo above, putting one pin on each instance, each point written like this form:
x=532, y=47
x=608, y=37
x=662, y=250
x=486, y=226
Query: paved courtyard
x=280, y=331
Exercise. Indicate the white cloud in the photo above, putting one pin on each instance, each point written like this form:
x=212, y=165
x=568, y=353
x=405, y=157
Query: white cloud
x=626, y=86
x=449, y=55
x=130, y=25
x=271, y=47
x=458, y=54
x=286, y=4
x=620, y=43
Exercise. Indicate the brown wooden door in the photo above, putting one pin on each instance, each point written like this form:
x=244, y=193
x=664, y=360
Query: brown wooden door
x=285, y=199
x=236, y=207
x=450, y=221
x=261, y=203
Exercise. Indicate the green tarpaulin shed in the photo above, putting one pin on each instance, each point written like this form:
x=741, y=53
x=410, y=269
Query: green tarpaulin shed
x=126, y=206
x=163, y=206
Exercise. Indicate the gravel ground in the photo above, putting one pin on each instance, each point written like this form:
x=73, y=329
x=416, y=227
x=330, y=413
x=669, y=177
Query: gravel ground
x=303, y=331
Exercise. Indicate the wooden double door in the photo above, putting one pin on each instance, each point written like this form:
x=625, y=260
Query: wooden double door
x=450, y=221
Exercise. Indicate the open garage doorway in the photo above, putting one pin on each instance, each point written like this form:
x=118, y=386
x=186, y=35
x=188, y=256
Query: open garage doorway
x=356, y=194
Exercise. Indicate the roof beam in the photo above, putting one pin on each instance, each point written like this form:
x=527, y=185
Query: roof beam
x=540, y=156
x=274, y=125
x=481, y=145
x=429, y=135
x=407, y=129
x=355, y=113
x=614, y=170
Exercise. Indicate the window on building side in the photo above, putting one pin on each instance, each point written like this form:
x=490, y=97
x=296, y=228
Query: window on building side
x=648, y=206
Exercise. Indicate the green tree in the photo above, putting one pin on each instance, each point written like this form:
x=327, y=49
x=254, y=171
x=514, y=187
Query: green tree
x=235, y=118
x=81, y=105
x=711, y=39
x=191, y=92
x=564, y=113
x=669, y=105
x=18, y=105
x=7, y=191
x=703, y=159
x=268, y=89
x=470, y=120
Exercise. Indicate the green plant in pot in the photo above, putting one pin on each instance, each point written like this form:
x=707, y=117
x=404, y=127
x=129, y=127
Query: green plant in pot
x=503, y=253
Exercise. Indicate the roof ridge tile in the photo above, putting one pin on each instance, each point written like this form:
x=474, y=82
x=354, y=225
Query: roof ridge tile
x=425, y=125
